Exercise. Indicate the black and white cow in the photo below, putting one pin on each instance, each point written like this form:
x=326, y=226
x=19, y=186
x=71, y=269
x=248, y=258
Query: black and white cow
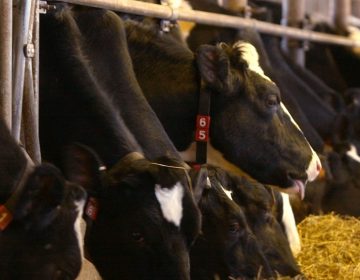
x=265, y=212
x=147, y=217
x=250, y=127
x=226, y=247
x=204, y=34
x=40, y=216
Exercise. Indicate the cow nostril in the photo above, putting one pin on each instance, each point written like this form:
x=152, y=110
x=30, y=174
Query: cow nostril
x=318, y=166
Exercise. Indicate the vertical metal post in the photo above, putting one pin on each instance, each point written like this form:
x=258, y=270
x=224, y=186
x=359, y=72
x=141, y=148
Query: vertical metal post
x=341, y=12
x=6, y=19
x=30, y=105
x=293, y=12
x=355, y=8
x=21, y=29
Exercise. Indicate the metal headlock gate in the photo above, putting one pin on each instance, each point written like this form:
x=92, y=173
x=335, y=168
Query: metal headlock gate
x=19, y=54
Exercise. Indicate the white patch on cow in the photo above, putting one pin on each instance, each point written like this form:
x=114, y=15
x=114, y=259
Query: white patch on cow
x=289, y=223
x=78, y=226
x=228, y=193
x=314, y=167
x=208, y=182
x=251, y=56
x=352, y=153
x=171, y=202
x=289, y=115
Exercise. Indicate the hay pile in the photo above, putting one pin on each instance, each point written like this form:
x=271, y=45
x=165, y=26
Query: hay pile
x=330, y=247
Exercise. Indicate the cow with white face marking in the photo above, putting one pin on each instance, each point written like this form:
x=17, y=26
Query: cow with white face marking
x=266, y=217
x=146, y=216
x=39, y=217
x=146, y=221
x=249, y=127
x=227, y=248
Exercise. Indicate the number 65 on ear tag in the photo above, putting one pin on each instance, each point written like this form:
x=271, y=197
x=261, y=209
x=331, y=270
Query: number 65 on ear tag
x=202, y=128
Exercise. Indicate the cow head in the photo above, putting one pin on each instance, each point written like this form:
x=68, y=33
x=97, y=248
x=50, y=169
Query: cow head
x=43, y=239
x=147, y=218
x=264, y=213
x=227, y=248
x=250, y=125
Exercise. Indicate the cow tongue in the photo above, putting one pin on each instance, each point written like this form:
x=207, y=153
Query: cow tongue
x=300, y=188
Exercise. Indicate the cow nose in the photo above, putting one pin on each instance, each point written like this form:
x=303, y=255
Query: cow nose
x=314, y=167
x=318, y=166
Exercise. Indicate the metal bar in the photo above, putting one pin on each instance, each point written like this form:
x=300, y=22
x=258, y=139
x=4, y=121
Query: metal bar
x=293, y=13
x=341, y=13
x=35, y=71
x=166, y=12
x=31, y=133
x=21, y=30
x=355, y=8
x=6, y=17
x=30, y=110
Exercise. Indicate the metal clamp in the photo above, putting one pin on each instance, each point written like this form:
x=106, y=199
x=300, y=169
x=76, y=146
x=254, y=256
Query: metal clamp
x=44, y=7
x=29, y=50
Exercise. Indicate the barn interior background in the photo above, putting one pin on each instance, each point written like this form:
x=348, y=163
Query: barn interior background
x=19, y=63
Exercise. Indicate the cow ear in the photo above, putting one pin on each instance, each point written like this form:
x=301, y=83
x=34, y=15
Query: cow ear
x=43, y=193
x=214, y=66
x=83, y=166
x=200, y=181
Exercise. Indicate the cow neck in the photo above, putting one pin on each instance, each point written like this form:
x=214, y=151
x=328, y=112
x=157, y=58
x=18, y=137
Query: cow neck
x=202, y=124
x=8, y=208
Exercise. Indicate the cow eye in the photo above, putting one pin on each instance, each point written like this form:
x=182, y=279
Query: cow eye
x=272, y=101
x=138, y=237
x=234, y=228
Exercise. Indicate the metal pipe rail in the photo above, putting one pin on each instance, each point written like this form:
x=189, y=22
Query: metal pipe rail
x=6, y=26
x=166, y=12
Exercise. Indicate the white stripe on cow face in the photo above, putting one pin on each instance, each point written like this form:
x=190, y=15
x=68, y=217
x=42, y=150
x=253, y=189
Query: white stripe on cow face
x=228, y=193
x=289, y=223
x=352, y=153
x=314, y=167
x=251, y=56
x=77, y=226
x=171, y=202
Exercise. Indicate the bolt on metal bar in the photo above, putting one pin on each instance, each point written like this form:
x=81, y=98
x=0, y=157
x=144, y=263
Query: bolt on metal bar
x=166, y=12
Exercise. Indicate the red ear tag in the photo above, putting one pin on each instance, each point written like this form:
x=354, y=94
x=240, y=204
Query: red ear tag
x=92, y=208
x=5, y=217
x=202, y=128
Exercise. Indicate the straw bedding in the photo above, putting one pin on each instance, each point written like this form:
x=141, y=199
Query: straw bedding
x=330, y=247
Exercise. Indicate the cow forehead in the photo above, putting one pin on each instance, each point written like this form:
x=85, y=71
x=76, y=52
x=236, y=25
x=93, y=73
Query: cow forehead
x=170, y=200
x=251, y=56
